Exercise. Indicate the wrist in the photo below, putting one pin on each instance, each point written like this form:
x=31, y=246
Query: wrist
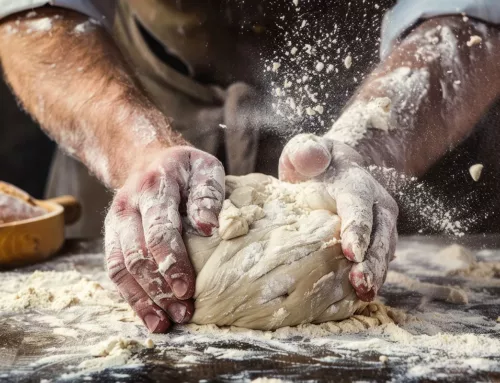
x=142, y=135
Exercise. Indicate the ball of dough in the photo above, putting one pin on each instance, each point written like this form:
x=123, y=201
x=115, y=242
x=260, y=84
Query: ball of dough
x=276, y=261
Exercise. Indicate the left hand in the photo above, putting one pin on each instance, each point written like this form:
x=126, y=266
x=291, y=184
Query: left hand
x=367, y=211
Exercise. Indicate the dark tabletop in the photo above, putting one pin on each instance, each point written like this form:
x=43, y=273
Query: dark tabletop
x=22, y=344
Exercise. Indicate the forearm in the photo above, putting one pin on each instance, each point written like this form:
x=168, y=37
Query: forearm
x=425, y=97
x=76, y=84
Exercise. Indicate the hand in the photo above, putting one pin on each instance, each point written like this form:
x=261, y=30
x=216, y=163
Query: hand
x=367, y=211
x=145, y=253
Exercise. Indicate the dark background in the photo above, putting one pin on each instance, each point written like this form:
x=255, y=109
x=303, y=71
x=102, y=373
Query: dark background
x=25, y=151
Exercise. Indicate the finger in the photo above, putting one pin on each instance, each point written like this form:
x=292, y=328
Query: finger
x=304, y=157
x=143, y=267
x=394, y=241
x=367, y=277
x=162, y=227
x=206, y=192
x=151, y=314
x=355, y=209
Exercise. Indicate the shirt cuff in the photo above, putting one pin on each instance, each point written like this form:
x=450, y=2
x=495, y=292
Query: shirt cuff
x=86, y=7
x=407, y=13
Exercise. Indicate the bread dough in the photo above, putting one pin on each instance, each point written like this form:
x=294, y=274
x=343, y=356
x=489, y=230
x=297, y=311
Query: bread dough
x=276, y=260
x=476, y=171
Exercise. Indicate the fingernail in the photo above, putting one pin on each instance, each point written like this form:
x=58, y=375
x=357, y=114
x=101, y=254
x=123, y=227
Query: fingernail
x=152, y=322
x=180, y=288
x=348, y=253
x=209, y=217
x=352, y=248
x=177, y=312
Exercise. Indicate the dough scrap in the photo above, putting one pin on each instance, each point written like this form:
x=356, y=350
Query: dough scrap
x=476, y=171
x=367, y=317
x=276, y=261
x=451, y=294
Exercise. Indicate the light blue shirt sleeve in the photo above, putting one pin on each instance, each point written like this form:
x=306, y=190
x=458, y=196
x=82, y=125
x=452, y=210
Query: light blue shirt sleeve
x=407, y=13
x=86, y=7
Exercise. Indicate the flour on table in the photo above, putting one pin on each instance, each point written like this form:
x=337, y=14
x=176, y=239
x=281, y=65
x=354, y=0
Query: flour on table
x=431, y=290
x=483, y=270
x=422, y=343
x=53, y=291
x=112, y=352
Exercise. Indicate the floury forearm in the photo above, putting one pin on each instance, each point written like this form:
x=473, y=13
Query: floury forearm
x=71, y=78
x=426, y=97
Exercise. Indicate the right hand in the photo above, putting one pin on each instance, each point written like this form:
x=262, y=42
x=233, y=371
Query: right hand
x=368, y=213
x=145, y=254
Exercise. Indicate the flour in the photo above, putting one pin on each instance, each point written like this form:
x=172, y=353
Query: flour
x=429, y=211
x=433, y=291
x=404, y=91
x=474, y=40
x=168, y=262
x=40, y=25
x=85, y=27
x=348, y=61
x=420, y=344
x=313, y=63
x=113, y=352
x=51, y=290
x=479, y=270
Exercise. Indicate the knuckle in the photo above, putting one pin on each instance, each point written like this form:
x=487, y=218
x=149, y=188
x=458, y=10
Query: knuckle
x=117, y=271
x=157, y=233
x=136, y=262
x=148, y=182
x=136, y=299
x=212, y=161
x=121, y=207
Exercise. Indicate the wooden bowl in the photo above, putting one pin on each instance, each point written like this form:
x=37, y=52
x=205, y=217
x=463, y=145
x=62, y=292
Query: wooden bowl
x=36, y=239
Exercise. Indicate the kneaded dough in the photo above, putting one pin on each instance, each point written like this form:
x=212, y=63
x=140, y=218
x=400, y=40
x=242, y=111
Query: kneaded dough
x=276, y=260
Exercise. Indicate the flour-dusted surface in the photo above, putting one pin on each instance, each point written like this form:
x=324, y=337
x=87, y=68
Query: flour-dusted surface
x=93, y=334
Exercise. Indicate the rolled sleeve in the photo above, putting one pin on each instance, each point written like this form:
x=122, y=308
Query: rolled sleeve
x=407, y=13
x=86, y=7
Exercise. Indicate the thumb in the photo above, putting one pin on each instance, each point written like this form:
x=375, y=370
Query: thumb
x=304, y=157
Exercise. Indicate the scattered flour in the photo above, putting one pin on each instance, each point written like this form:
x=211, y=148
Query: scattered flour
x=166, y=263
x=51, y=290
x=433, y=291
x=39, y=25
x=423, y=344
x=115, y=351
x=474, y=40
x=479, y=270
x=348, y=61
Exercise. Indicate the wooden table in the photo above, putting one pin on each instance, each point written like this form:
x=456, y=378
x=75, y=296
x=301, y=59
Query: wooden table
x=21, y=344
